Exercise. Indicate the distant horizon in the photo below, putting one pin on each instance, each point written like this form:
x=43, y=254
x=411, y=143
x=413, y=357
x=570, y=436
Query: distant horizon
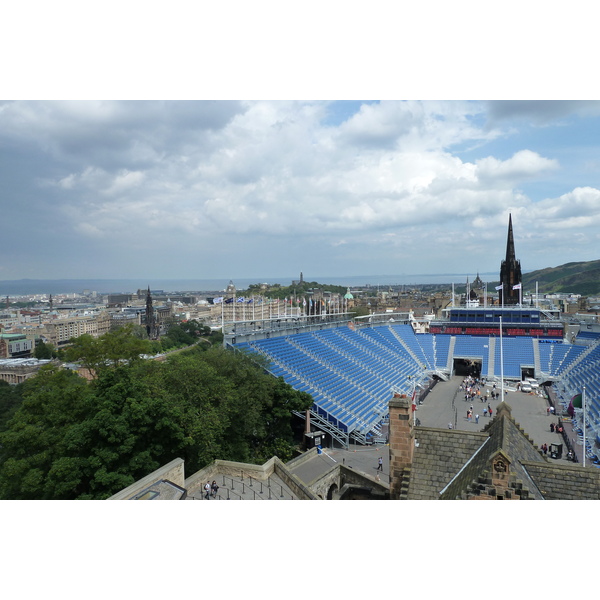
x=116, y=188
x=31, y=286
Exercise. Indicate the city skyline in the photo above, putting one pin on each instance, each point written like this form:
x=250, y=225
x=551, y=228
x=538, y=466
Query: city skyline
x=240, y=189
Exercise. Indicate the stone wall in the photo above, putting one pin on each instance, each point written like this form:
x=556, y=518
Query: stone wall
x=401, y=443
x=173, y=472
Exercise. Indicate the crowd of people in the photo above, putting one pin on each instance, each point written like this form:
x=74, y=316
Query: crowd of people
x=472, y=387
x=473, y=391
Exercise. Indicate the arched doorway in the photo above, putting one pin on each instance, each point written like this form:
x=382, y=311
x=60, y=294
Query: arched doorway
x=333, y=488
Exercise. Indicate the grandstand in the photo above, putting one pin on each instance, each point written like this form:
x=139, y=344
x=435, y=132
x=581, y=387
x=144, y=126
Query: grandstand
x=351, y=369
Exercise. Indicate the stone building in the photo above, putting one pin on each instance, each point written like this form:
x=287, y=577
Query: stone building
x=59, y=331
x=510, y=272
x=17, y=370
x=498, y=463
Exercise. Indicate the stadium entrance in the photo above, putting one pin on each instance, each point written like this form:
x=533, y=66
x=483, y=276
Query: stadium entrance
x=467, y=366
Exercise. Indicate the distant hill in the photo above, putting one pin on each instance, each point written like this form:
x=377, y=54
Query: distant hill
x=575, y=277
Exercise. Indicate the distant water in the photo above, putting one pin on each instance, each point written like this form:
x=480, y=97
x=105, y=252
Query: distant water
x=24, y=287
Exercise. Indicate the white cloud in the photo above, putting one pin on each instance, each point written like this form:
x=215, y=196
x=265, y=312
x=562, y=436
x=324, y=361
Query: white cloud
x=579, y=208
x=524, y=164
x=188, y=175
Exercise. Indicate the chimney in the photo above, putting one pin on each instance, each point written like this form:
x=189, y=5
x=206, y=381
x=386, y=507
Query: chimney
x=402, y=442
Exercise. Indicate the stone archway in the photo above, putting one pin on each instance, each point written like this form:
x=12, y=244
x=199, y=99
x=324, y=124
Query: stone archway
x=333, y=488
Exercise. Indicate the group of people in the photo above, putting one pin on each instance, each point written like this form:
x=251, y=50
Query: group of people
x=472, y=388
x=210, y=489
x=486, y=411
x=556, y=428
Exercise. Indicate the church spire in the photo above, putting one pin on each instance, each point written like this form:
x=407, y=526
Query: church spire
x=510, y=242
x=510, y=271
x=151, y=328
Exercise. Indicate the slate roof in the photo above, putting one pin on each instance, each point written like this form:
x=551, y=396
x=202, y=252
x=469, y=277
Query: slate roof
x=439, y=456
x=565, y=482
x=451, y=464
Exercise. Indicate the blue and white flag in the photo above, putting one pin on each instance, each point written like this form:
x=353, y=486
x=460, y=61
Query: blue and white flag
x=218, y=300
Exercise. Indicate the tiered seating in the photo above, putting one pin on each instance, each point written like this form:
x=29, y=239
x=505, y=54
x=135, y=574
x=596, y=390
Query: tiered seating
x=555, y=358
x=407, y=334
x=517, y=352
x=473, y=347
x=441, y=346
x=350, y=374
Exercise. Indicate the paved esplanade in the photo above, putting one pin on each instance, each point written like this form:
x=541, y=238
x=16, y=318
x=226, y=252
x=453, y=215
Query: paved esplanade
x=443, y=405
x=446, y=404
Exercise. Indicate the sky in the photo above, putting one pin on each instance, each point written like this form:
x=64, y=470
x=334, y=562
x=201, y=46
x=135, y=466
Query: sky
x=272, y=143
x=207, y=189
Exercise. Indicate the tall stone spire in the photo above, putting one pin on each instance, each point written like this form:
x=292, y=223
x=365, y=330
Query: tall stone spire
x=510, y=242
x=151, y=328
x=510, y=271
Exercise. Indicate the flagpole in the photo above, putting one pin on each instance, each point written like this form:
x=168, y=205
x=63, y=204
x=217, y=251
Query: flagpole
x=536, y=295
x=413, y=403
x=501, y=361
x=584, y=424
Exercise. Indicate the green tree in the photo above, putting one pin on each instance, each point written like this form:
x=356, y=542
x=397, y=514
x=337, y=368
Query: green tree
x=44, y=351
x=129, y=432
x=109, y=350
x=10, y=399
x=54, y=400
x=71, y=438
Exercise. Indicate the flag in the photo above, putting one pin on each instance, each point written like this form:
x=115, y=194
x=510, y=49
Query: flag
x=414, y=399
x=218, y=300
x=241, y=299
x=249, y=301
x=229, y=301
x=517, y=287
x=303, y=301
x=576, y=402
x=499, y=287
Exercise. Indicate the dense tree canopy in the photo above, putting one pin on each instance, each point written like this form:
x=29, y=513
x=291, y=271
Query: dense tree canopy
x=295, y=290
x=70, y=438
x=10, y=400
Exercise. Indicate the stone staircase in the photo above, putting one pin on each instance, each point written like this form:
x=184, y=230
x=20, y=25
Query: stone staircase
x=248, y=488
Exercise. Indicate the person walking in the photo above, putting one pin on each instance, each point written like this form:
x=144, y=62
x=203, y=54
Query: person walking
x=207, y=490
x=380, y=464
x=214, y=489
x=477, y=418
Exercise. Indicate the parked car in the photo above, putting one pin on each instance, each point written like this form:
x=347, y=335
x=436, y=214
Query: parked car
x=525, y=386
x=533, y=382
